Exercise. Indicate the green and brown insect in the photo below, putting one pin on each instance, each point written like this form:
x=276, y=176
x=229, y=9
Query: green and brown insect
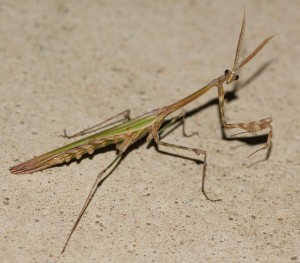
x=150, y=125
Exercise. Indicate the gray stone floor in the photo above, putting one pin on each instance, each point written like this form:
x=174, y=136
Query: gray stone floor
x=71, y=64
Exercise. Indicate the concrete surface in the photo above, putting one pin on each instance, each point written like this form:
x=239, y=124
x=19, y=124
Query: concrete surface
x=71, y=64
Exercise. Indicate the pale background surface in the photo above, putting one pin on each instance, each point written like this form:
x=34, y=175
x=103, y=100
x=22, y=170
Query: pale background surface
x=71, y=64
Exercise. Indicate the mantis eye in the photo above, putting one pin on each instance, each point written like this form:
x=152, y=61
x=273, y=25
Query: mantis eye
x=226, y=72
x=237, y=77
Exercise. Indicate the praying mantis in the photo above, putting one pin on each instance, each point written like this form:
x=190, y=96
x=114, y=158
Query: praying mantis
x=149, y=125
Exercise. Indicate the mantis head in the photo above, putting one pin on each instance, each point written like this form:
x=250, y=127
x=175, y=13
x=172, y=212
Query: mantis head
x=232, y=75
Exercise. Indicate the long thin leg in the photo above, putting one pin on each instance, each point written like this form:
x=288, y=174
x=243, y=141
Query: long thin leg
x=254, y=127
x=197, y=151
x=174, y=120
x=125, y=114
x=184, y=130
x=250, y=127
x=90, y=196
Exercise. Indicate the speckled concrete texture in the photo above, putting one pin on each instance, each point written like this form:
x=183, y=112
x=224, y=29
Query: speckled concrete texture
x=71, y=64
